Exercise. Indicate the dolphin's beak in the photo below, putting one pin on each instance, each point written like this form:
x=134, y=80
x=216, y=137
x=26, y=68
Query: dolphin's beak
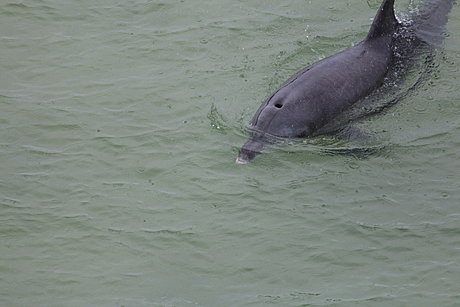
x=251, y=149
x=241, y=161
x=245, y=156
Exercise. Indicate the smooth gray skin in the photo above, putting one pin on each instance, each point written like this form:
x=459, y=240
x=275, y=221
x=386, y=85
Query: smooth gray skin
x=317, y=94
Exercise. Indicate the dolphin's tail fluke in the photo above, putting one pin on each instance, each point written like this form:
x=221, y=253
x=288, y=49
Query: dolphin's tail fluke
x=430, y=21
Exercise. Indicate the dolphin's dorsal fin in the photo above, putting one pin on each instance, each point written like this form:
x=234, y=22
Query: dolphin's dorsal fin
x=385, y=22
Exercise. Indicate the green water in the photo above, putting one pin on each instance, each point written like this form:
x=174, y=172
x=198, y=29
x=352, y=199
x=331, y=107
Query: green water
x=120, y=124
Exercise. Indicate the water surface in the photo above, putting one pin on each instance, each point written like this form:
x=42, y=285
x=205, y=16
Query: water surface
x=120, y=124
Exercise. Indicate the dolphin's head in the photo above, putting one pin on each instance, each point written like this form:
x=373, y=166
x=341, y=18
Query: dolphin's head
x=283, y=115
x=286, y=114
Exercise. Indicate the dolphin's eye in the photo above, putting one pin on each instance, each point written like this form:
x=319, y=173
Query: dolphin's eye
x=279, y=105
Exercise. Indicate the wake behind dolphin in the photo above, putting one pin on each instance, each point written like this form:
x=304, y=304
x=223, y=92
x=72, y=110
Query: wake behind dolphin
x=311, y=102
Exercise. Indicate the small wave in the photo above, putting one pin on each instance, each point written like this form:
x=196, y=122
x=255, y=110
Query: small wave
x=218, y=122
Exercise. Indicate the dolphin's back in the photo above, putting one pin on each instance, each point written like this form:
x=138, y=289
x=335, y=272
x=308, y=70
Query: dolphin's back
x=315, y=95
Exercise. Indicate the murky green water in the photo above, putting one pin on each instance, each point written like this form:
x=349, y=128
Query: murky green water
x=120, y=123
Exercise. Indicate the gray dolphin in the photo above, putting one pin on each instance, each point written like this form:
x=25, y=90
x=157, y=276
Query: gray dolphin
x=316, y=95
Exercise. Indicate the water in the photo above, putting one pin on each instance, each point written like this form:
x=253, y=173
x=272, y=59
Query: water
x=120, y=124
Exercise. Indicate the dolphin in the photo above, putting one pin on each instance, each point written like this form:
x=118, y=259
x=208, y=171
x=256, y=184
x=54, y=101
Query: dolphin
x=316, y=95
